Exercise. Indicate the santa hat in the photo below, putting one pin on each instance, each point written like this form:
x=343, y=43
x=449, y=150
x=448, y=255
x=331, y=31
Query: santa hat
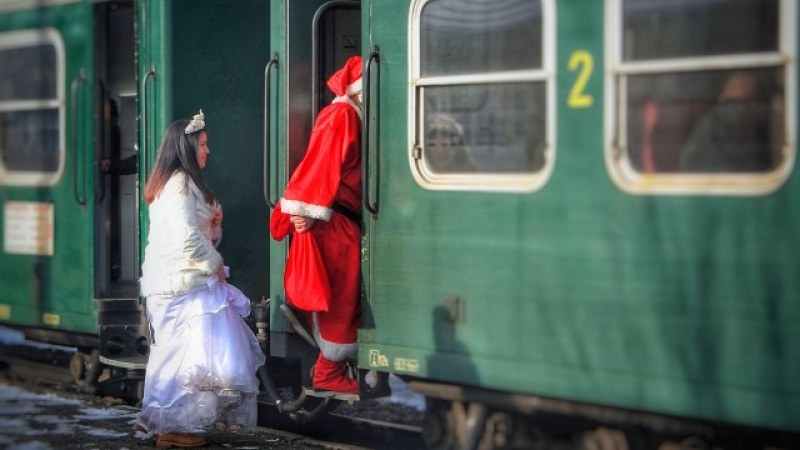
x=347, y=80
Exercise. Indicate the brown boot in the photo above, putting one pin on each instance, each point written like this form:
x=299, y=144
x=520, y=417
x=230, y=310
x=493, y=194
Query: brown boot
x=182, y=440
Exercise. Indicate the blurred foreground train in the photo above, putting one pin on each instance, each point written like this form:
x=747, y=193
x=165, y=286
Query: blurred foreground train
x=581, y=219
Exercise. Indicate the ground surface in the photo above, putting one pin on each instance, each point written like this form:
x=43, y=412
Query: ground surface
x=34, y=417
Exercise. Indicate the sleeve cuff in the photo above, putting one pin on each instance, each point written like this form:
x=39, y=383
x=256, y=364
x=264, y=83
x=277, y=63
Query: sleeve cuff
x=298, y=208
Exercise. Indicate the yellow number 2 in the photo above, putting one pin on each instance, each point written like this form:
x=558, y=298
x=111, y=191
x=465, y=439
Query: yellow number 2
x=578, y=98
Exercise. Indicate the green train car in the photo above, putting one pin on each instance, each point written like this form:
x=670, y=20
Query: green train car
x=87, y=89
x=585, y=209
x=69, y=266
x=579, y=223
x=572, y=209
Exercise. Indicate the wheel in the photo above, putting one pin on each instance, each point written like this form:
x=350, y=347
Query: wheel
x=604, y=439
x=77, y=367
x=438, y=427
x=498, y=432
x=85, y=369
x=93, y=366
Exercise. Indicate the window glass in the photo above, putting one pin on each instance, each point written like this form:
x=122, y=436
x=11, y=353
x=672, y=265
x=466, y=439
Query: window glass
x=482, y=93
x=484, y=128
x=709, y=121
x=28, y=73
x=683, y=28
x=30, y=140
x=702, y=91
x=30, y=134
x=476, y=36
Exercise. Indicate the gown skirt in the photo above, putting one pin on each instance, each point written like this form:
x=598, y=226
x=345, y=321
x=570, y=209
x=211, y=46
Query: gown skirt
x=203, y=361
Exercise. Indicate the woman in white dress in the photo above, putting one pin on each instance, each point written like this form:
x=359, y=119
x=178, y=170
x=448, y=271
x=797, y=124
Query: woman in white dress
x=203, y=357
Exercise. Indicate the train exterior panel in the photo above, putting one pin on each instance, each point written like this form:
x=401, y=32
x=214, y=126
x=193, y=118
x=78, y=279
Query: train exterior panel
x=566, y=283
x=220, y=69
x=545, y=228
x=48, y=73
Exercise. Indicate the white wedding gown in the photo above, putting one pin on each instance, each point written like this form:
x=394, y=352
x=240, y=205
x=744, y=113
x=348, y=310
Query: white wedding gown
x=203, y=361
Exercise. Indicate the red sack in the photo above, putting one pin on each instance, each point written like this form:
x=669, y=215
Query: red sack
x=305, y=280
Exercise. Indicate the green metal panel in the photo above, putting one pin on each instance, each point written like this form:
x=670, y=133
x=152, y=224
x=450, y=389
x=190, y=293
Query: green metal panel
x=56, y=291
x=291, y=36
x=277, y=140
x=221, y=70
x=154, y=76
x=683, y=305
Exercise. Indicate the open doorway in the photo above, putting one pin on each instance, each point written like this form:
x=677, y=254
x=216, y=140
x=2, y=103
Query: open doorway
x=116, y=190
x=324, y=35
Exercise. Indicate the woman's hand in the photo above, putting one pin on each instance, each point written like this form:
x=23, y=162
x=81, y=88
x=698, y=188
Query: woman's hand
x=217, y=219
x=301, y=223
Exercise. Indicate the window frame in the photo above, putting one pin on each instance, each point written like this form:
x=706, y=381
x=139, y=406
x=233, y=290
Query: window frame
x=618, y=164
x=477, y=181
x=29, y=38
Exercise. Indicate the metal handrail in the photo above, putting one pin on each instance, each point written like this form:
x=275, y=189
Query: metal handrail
x=272, y=63
x=145, y=166
x=80, y=79
x=100, y=183
x=366, y=169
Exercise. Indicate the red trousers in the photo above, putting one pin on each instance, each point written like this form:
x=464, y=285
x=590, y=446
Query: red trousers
x=339, y=242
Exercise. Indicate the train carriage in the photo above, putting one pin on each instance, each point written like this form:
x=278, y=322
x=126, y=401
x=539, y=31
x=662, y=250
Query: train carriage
x=578, y=220
x=583, y=206
x=88, y=88
x=70, y=255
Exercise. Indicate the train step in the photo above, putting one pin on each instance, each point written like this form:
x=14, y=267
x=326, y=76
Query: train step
x=350, y=398
x=118, y=305
x=130, y=362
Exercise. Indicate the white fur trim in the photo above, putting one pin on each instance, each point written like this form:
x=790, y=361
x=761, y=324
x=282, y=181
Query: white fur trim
x=355, y=88
x=298, y=208
x=346, y=99
x=331, y=350
x=179, y=255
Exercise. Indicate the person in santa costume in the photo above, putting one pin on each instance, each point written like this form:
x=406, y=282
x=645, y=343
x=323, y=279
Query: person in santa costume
x=320, y=208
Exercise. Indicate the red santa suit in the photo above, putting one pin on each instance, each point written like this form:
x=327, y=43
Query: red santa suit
x=323, y=268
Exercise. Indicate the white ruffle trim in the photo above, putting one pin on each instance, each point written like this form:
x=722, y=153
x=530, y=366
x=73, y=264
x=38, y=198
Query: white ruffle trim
x=203, y=361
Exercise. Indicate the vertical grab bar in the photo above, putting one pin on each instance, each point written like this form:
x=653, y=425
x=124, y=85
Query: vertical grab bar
x=272, y=63
x=145, y=166
x=100, y=178
x=80, y=79
x=365, y=164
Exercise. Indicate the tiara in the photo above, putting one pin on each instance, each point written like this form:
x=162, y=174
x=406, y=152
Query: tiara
x=197, y=123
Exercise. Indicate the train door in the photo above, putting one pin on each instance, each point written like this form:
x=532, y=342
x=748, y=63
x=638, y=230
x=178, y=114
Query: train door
x=120, y=316
x=46, y=176
x=117, y=258
x=311, y=39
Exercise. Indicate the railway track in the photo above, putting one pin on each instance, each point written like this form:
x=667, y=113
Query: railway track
x=343, y=427
x=39, y=366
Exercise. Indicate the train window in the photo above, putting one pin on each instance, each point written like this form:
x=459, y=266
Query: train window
x=482, y=93
x=31, y=107
x=700, y=105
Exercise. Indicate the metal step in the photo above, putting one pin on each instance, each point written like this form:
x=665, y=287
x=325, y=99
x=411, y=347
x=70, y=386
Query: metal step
x=118, y=304
x=130, y=362
x=349, y=398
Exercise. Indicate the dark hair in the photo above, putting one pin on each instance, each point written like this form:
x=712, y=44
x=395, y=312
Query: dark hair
x=178, y=153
